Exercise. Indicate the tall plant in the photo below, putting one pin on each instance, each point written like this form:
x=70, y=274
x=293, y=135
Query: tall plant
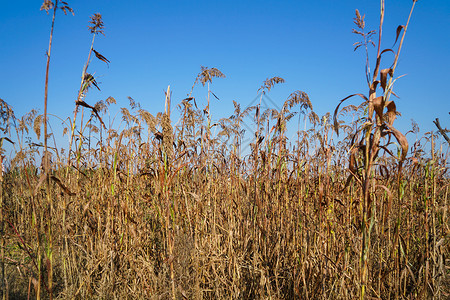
x=377, y=127
x=47, y=6
x=88, y=80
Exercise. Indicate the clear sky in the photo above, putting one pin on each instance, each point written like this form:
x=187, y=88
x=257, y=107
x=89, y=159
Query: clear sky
x=153, y=44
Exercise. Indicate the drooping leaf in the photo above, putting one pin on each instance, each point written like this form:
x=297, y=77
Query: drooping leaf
x=387, y=150
x=84, y=104
x=401, y=139
x=391, y=114
x=383, y=77
x=378, y=106
x=336, y=123
x=62, y=186
x=377, y=65
x=215, y=95
x=101, y=57
x=352, y=166
x=384, y=171
x=441, y=130
x=158, y=136
x=399, y=30
x=189, y=99
x=88, y=81
x=7, y=139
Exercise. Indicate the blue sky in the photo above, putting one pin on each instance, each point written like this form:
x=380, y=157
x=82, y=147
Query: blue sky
x=153, y=44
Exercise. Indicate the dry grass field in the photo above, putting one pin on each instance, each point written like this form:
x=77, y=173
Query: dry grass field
x=163, y=209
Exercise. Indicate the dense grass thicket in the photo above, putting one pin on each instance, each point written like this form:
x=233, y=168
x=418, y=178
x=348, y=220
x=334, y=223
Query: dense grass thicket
x=154, y=209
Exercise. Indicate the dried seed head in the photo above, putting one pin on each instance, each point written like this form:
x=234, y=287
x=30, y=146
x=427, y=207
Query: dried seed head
x=359, y=20
x=207, y=74
x=37, y=125
x=100, y=106
x=97, y=24
x=269, y=83
x=6, y=116
x=47, y=5
x=149, y=119
x=110, y=100
x=167, y=132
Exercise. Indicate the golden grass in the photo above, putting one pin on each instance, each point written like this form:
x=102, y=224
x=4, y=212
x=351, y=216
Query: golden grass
x=278, y=224
x=158, y=210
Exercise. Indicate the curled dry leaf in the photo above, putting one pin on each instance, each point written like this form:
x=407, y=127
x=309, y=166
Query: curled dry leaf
x=84, y=104
x=101, y=57
x=88, y=80
x=378, y=63
x=62, y=186
x=401, y=140
x=336, y=123
x=383, y=77
x=399, y=30
x=378, y=106
x=391, y=114
x=352, y=163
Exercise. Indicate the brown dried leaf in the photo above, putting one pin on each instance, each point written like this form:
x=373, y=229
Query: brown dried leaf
x=336, y=123
x=352, y=163
x=378, y=107
x=62, y=186
x=378, y=63
x=388, y=191
x=401, y=140
x=383, y=77
x=101, y=57
x=35, y=283
x=84, y=104
x=88, y=80
x=215, y=95
x=391, y=114
x=399, y=30
x=5, y=138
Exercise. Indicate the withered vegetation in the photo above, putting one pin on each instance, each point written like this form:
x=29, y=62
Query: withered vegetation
x=151, y=208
